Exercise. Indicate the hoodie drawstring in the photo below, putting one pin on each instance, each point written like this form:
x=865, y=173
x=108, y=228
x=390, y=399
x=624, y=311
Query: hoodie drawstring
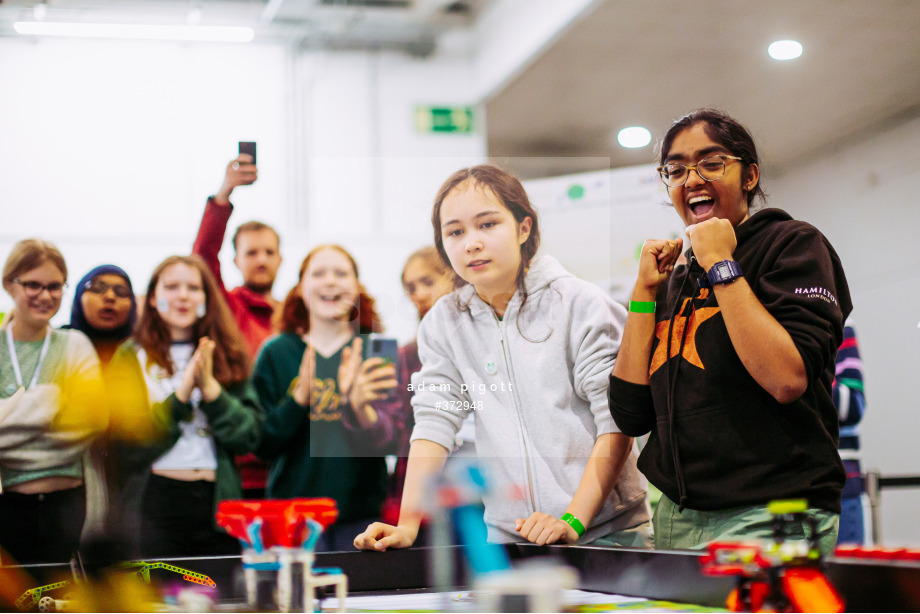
x=672, y=383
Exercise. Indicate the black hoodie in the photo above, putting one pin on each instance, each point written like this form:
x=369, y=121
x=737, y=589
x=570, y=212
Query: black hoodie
x=730, y=443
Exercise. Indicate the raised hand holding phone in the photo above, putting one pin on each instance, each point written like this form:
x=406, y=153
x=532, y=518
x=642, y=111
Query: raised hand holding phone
x=248, y=148
x=242, y=170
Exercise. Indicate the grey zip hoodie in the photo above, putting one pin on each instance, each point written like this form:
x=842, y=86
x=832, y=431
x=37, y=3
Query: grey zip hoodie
x=536, y=382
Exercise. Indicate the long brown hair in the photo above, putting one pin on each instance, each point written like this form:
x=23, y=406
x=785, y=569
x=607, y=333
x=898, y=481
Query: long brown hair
x=509, y=191
x=295, y=316
x=231, y=358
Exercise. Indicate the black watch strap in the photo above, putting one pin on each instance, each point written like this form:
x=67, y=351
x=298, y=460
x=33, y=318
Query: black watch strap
x=723, y=272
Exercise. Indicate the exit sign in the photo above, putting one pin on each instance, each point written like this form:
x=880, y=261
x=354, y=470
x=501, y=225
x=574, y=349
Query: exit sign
x=444, y=119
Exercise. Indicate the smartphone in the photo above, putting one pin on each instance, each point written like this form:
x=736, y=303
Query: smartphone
x=385, y=348
x=248, y=147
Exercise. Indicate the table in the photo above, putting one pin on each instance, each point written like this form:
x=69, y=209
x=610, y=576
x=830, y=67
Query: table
x=398, y=577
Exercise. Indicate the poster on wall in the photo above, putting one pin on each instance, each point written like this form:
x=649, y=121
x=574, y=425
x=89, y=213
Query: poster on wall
x=595, y=223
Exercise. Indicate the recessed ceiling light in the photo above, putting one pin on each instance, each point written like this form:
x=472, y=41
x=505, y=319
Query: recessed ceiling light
x=634, y=136
x=785, y=50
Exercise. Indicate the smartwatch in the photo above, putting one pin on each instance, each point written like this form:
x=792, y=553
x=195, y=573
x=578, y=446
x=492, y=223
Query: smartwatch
x=723, y=272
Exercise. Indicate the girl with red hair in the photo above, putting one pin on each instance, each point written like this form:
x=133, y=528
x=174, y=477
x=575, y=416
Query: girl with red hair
x=329, y=416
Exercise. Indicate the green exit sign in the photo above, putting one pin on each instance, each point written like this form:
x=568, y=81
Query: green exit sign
x=444, y=119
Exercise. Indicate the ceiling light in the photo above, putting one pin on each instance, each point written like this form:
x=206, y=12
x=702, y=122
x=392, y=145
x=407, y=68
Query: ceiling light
x=785, y=50
x=222, y=34
x=634, y=136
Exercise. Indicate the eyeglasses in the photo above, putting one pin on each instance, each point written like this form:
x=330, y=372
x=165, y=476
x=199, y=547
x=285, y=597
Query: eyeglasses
x=709, y=169
x=97, y=286
x=34, y=288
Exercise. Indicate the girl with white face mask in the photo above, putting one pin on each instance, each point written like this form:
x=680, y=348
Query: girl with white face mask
x=185, y=399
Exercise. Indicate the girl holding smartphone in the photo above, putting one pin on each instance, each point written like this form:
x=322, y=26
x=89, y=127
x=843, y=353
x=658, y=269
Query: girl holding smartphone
x=330, y=417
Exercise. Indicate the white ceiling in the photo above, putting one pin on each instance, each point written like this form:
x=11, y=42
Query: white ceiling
x=626, y=62
x=649, y=62
x=411, y=26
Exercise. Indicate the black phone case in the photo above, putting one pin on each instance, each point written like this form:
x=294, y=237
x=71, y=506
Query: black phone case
x=248, y=147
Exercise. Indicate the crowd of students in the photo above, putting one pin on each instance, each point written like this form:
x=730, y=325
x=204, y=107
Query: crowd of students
x=140, y=417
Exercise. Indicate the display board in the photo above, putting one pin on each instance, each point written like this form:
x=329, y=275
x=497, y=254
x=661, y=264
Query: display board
x=595, y=223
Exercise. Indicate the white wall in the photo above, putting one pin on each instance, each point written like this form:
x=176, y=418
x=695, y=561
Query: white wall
x=372, y=177
x=863, y=197
x=114, y=147
x=596, y=223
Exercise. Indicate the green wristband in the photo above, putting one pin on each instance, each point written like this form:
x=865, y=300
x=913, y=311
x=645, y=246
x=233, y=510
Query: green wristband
x=642, y=306
x=575, y=523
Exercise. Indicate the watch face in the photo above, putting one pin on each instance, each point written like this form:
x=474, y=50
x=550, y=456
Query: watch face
x=724, y=272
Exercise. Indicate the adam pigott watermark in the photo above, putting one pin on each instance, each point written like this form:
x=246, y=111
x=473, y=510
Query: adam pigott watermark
x=480, y=388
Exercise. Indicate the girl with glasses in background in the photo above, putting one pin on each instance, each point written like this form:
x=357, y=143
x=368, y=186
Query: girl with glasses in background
x=52, y=408
x=728, y=360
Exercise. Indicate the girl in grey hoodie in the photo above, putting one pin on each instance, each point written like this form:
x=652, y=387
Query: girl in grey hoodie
x=526, y=347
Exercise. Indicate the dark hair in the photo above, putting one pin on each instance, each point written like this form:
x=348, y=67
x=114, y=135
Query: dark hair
x=724, y=130
x=253, y=227
x=509, y=191
x=30, y=254
x=78, y=317
x=231, y=357
x=295, y=316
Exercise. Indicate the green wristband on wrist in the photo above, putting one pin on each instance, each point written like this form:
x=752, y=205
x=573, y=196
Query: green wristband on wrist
x=642, y=306
x=575, y=523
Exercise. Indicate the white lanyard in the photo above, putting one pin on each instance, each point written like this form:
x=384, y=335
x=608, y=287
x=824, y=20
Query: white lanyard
x=15, y=360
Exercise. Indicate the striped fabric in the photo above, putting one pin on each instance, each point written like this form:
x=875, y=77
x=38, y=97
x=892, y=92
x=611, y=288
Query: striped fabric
x=849, y=393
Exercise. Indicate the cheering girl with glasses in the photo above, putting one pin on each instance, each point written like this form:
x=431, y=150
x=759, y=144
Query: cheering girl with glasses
x=728, y=360
x=52, y=409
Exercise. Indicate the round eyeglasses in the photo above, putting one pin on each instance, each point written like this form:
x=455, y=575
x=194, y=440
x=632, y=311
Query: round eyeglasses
x=709, y=169
x=97, y=286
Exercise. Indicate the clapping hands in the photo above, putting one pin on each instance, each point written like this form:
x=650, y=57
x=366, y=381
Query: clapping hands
x=199, y=373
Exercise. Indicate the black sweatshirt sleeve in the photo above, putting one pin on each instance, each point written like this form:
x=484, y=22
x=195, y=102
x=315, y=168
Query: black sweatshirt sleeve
x=631, y=406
